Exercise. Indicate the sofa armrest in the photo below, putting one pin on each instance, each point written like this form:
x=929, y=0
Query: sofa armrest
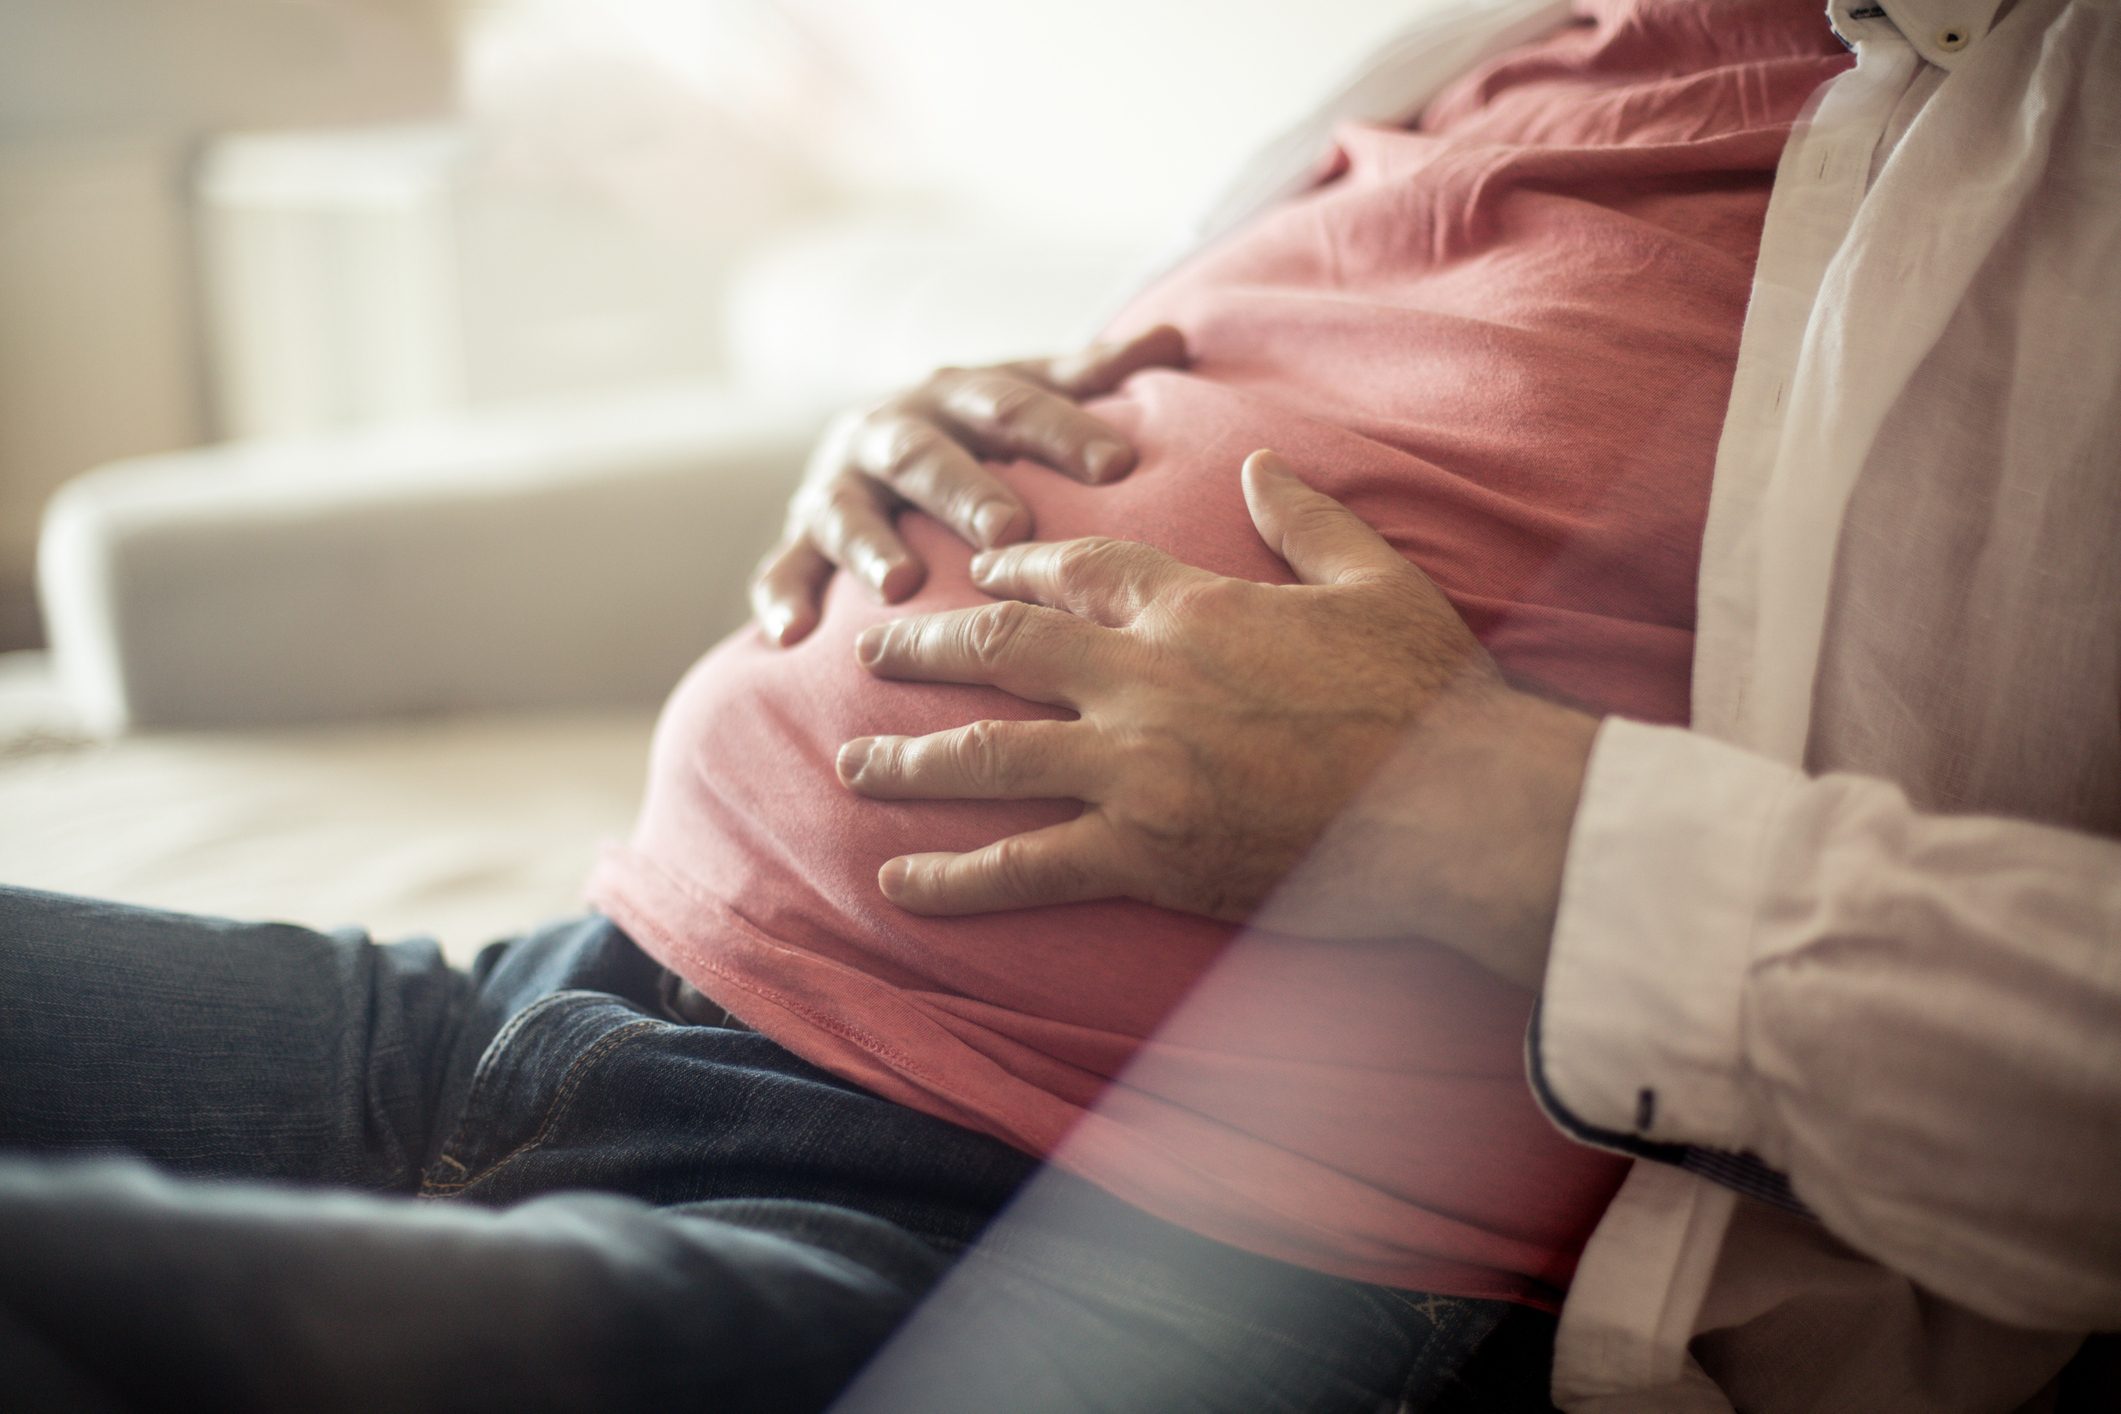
x=565, y=557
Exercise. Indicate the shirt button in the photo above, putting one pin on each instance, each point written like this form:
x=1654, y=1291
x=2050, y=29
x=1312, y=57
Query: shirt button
x=1951, y=41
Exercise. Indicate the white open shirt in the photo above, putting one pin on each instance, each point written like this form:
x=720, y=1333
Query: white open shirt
x=1820, y=929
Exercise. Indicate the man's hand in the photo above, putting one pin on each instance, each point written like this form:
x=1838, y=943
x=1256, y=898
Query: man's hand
x=1229, y=732
x=923, y=449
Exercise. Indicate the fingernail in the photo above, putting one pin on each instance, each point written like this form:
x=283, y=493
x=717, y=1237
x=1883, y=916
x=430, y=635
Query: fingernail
x=853, y=756
x=991, y=520
x=870, y=646
x=874, y=568
x=776, y=621
x=892, y=877
x=1103, y=460
x=983, y=563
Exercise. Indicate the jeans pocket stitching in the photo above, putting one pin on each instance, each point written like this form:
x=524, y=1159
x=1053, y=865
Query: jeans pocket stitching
x=577, y=1072
x=481, y=1082
x=482, y=1077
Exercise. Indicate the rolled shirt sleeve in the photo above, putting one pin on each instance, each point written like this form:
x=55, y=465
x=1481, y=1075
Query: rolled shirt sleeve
x=1909, y=1024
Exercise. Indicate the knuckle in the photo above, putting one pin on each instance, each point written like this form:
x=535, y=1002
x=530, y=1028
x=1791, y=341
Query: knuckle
x=1012, y=405
x=1076, y=432
x=908, y=447
x=837, y=527
x=885, y=762
x=961, y=501
x=978, y=756
x=847, y=490
x=1216, y=600
x=845, y=497
x=1084, y=563
x=994, y=630
x=1017, y=873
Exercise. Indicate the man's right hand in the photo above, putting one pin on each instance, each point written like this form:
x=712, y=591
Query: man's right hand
x=923, y=449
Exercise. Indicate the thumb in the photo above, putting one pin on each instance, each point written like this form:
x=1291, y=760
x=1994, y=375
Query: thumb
x=1322, y=540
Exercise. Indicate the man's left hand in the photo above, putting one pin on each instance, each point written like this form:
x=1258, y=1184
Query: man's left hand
x=1226, y=729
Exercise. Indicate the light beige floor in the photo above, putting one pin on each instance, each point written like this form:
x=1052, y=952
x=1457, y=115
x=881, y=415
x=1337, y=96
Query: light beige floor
x=466, y=829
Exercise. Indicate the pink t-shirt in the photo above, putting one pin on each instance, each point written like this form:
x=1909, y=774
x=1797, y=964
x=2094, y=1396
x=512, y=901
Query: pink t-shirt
x=1504, y=337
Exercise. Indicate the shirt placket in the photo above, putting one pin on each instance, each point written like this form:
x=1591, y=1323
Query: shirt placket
x=1766, y=566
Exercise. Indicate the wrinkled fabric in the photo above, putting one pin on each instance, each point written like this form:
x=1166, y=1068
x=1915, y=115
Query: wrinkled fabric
x=1505, y=337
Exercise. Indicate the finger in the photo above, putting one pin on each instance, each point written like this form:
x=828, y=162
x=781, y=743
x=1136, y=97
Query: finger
x=979, y=761
x=1103, y=580
x=1103, y=367
x=1322, y=540
x=1027, y=651
x=850, y=528
x=785, y=590
x=1002, y=414
x=926, y=465
x=1065, y=863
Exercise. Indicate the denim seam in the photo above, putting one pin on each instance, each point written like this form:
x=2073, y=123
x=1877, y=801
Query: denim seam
x=481, y=1082
x=569, y=1084
x=490, y=1058
x=1418, y=1354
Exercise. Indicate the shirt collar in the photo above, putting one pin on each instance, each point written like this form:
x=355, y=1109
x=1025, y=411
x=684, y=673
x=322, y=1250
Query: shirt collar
x=1942, y=31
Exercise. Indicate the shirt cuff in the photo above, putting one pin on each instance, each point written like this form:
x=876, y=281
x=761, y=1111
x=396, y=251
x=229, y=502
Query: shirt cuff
x=1637, y=1042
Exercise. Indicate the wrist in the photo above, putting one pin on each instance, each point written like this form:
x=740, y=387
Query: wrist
x=1500, y=773
x=1458, y=837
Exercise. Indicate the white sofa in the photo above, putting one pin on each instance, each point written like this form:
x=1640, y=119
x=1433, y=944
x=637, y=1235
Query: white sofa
x=565, y=557
x=404, y=680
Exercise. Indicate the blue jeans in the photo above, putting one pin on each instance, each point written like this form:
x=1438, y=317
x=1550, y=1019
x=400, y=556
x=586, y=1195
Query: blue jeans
x=259, y=1167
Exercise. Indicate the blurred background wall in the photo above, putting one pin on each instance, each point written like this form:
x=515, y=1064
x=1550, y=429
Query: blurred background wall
x=277, y=218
